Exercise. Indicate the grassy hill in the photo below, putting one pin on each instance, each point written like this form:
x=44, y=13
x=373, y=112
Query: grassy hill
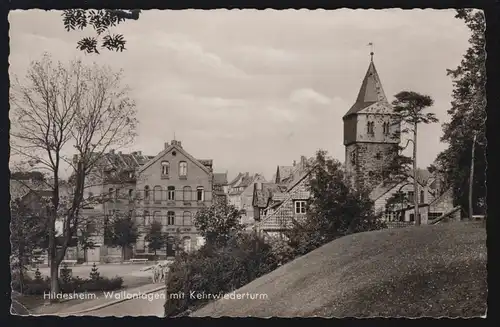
x=432, y=271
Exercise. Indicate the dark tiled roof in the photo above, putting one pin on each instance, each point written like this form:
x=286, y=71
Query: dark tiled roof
x=285, y=172
x=265, y=194
x=220, y=178
x=371, y=92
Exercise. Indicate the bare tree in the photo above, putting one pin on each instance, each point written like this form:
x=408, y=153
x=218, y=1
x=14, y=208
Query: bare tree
x=58, y=110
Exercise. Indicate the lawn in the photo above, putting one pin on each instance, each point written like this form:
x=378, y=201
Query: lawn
x=431, y=271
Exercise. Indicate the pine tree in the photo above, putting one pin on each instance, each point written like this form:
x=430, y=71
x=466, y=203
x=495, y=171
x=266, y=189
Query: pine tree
x=38, y=275
x=94, y=273
x=409, y=106
x=65, y=274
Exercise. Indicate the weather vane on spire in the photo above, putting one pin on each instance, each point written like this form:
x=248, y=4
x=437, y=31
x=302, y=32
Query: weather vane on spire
x=174, y=135
x=371, y=48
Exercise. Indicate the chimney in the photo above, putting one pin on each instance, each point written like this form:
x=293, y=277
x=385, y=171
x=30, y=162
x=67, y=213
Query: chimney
x=166, y=145
x=119, y=152
x=179, y=144
x=303, y=161
x=294, y=163
x=258, y=186
x=139, y=153
x=112, y=151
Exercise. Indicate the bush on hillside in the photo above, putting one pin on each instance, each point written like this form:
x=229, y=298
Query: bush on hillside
x=217, y=271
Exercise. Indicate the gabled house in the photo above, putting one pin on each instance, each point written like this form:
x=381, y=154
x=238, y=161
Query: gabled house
x=240, y=194
x=276, y=204
x=220, y=184
x=110, y=191
x=433, y=201
x=173, y=186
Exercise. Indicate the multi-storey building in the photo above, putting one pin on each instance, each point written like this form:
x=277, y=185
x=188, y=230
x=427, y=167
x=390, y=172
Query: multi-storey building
x=241, y=194
x=110, y=191
x=173, y=186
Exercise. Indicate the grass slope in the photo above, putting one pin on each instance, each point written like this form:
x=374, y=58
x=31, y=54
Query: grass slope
x=433, y=271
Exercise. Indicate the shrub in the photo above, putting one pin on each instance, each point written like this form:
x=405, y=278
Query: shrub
x=75, y=284
x=216, y=271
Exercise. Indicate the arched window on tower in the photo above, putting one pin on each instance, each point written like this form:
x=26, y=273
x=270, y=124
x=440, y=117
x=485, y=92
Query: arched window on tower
x=370, y=128
x=386, y=128
x=353, y=157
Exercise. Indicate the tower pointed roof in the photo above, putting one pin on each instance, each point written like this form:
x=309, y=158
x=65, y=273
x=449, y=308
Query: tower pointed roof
x=371, y=91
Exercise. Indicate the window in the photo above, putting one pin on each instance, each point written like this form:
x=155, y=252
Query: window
x=411, y=196
x=130, y=193
x=146, y=192
x=91, y=228
x=165, y=168
x=170, y=218
x=186, y=193
x=412, y=217
x=300, y=207
x=131, y=174
x=422, y=193
x=386, y=128
x=117, y=193
x=200, y=194
x=370, y=128
x=182, y=169
x=157, y=194
x=186, y=243
x=353, y=157
x=131, y=213
x=146, y=218
x=186, y=219
x=171, y=193
x=111, y=191
x=157, y=216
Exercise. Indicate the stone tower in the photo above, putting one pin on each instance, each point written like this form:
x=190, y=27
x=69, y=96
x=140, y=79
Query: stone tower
x=371, y=133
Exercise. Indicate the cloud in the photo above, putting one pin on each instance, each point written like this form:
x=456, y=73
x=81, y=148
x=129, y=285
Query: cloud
x=252, y=89
x=306, y=96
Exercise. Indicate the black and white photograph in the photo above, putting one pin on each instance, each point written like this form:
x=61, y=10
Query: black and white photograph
x=248, y=163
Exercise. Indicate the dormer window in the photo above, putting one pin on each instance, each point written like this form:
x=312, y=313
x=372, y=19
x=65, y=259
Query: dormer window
x=370, y=128
x=165, y=168
x=182, y=169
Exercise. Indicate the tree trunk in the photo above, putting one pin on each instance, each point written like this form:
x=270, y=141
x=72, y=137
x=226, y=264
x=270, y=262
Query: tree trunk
x=415, y=182
x=54, y=278
x=471, y=177
x=123, y=253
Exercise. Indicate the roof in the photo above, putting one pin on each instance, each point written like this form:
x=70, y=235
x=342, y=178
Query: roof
x=177, y=147
x=262, y=196
x=220, y=178
x=371, y=94
x=244, y=181
x=284, y=172
x=405, y=272
x=423, y=176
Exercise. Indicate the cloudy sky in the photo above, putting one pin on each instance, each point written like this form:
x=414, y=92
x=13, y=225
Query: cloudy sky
x=256, y=89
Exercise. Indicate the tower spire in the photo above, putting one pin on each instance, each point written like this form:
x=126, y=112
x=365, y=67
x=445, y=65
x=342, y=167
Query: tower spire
x=371, y=51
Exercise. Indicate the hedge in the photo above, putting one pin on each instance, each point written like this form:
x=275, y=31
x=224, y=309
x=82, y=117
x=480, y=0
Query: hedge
x=75, y=284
